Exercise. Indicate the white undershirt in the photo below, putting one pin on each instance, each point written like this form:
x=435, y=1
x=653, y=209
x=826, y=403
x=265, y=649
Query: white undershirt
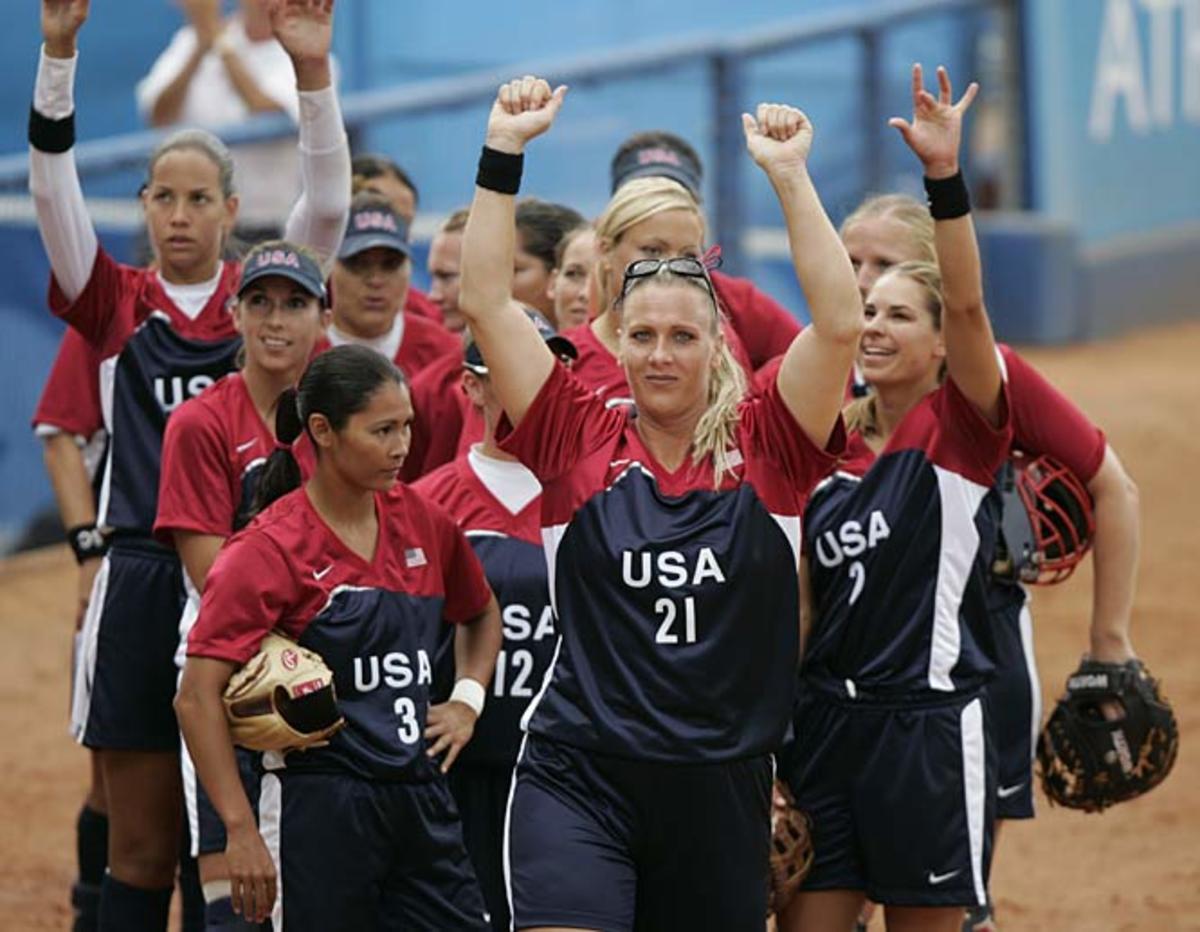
x=386, y=346
x=191, y=299
x=513, y=485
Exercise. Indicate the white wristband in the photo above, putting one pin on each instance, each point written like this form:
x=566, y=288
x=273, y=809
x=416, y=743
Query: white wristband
x=469, y=692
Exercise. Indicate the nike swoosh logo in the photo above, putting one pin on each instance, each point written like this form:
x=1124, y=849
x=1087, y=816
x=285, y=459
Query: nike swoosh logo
x=243, y=447
x=935, y=879
x=1006, y=791
x=318, y=575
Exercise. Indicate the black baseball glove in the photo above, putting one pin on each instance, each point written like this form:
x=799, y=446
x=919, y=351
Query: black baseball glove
x=1090, y=762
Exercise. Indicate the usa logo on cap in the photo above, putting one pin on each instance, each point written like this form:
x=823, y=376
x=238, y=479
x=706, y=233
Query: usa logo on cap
x=375, y=220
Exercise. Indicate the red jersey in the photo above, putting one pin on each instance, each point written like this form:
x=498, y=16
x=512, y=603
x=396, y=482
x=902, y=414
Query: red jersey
x=1045, y=422
x=422, y=305
x=70, y=399
x=213, y=453
x=765, y=328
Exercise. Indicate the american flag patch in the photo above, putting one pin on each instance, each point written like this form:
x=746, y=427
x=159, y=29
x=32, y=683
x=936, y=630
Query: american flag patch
x=414, y=556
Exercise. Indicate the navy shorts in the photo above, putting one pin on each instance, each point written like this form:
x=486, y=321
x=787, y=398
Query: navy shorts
x=900, y=798
x=125, y=675
x=607, y=843
x=481, y=792
x=206, y=831
x=363, y=854
x=1014, y=708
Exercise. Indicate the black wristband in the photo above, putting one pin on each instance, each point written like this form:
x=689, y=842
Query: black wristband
x=500, y=171
x=47, y=135
x=87, y=541
x=948, y=197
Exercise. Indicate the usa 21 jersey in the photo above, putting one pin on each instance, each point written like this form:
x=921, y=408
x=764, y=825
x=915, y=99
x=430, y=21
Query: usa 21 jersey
x=899, y=548
x=677, y=602
x=376, y=624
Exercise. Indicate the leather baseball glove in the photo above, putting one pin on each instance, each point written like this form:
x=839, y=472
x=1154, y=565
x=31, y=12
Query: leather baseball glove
x=1088, y=761
x=282, y=699
x=791, y=849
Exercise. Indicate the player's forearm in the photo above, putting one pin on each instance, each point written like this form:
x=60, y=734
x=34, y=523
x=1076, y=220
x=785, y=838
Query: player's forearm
x=1114, y=559
x=488, y=251
x=169, y=105
x=253, y=96
x=201, y=715
x=319, y=218
x=476, y=644
x=62, y=216
x=820, y=260
x=69, y=478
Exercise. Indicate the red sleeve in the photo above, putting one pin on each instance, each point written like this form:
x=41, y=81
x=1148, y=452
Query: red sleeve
x=194, y=488
x=466, y=586
x=767, y=374
x=103, y=312
x=246, y=594
x=966, y=442
x=764, y=325
x=1046, y=422
x=71, y=396
x=773, y=434
x=565, y=422
x=420, y=304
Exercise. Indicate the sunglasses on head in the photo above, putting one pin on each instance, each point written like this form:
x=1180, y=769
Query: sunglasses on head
x=687, y=266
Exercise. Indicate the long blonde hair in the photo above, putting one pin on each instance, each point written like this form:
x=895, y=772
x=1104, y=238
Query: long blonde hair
x=862, y=414
x=905, y=210
x=635, y=201
x=716, y=429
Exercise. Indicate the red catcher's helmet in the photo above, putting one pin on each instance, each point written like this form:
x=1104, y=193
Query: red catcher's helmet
x=1060, y=517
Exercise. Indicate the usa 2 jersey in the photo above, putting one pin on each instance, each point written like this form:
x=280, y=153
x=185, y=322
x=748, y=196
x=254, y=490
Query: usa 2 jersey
x=677, y=602
x=376, y=624
x=899, y=549
x=510, y=549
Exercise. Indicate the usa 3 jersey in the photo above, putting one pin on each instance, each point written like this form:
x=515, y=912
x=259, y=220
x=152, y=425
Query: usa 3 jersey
x=376, y=623
x=153, y=358
x=899, y=549
x=677, y=602
x=509, y=547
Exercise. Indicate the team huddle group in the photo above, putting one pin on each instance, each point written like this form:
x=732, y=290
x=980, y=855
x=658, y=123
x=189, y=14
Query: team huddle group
x=596, y=541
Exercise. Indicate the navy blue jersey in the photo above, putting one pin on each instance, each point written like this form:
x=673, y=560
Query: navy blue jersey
x=154, y=357
x=677, y=602
x=376, y=624
x=509, y=547
x=899, y=549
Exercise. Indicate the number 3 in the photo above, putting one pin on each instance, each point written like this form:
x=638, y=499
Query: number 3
x=409, y=731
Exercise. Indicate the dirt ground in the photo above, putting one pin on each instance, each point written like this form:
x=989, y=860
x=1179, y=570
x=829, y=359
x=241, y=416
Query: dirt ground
x=1136, y=867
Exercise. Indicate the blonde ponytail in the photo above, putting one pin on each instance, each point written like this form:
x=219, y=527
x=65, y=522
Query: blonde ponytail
x=717, y=427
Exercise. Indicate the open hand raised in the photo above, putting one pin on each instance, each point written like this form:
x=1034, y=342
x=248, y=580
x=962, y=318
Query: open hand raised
x=935, y=132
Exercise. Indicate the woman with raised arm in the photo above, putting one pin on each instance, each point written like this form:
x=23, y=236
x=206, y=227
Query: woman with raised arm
x=892, y=759
x=672, y=538
x=168, y=334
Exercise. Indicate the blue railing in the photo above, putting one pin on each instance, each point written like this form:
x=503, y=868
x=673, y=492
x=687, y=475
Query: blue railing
x=726, y=57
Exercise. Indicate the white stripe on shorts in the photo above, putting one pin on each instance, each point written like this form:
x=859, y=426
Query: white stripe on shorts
x=1035, y=684
x=506, y=853
x=191, y=801
x=974, y=789
x=270, y=818
x=85, y=654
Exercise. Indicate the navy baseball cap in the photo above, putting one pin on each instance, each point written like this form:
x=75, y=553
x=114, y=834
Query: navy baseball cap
x=374, y=226
x=559, y=345
x=286, y=261
x=658, y=160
